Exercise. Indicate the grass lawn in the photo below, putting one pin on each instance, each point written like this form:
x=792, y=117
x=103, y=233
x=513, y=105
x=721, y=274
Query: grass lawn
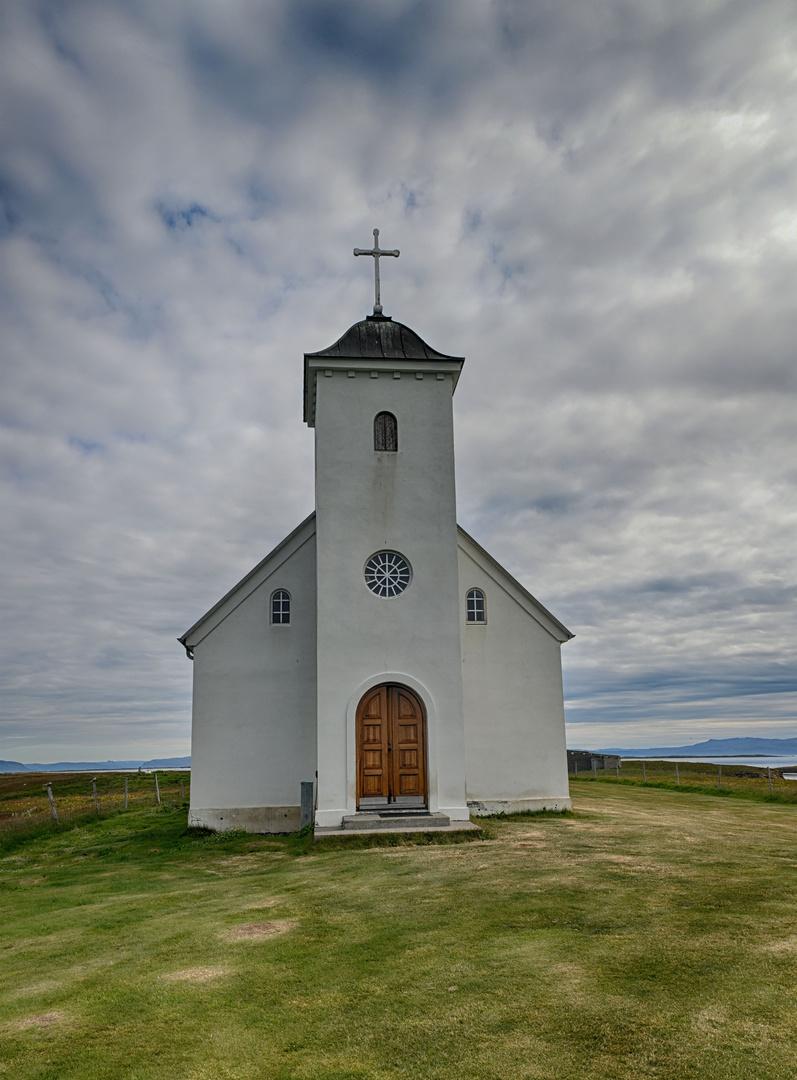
x=24, y=801
x=651, y=934
x=739, y=781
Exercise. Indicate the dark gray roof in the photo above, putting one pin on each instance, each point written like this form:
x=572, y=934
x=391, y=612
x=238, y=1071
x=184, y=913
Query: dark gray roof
x=377, y=337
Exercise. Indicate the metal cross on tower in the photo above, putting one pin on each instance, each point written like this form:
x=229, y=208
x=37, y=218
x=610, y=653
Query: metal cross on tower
x=377, y=252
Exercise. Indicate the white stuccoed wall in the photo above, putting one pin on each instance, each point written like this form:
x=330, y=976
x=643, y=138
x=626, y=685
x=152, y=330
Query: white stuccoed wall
x=253, y=735
x=516, y=758
x=273, y=703
x=368, y=501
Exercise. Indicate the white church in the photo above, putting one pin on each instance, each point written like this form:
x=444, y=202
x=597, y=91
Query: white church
x=378, y=650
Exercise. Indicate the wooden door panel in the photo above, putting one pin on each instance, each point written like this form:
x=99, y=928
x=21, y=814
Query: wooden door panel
x=372, y=785
x=391, y=746
x=373, y=707
x=408, y=707
x=408, y=772
x=373, y=779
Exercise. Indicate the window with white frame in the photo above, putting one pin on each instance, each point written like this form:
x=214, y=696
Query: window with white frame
x=387, y=573
x=385, y=431
x=281, y=608
x=476, y=606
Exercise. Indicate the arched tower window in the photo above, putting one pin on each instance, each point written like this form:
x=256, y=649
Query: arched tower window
x=476, y=606
x=281, y=608
x=385, y=431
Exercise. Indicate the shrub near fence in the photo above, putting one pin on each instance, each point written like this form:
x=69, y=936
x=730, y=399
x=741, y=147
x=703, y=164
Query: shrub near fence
x=24, y=801
x=746, y=781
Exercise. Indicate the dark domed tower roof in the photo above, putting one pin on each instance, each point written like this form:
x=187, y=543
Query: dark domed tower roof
x=376, y=342
x=378, y=337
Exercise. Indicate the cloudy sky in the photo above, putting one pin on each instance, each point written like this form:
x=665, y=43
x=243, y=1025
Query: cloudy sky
x=595, y=203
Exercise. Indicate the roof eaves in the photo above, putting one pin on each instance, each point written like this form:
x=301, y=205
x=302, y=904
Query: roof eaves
x=365, y=341
x=569, y=635
x=274, y=551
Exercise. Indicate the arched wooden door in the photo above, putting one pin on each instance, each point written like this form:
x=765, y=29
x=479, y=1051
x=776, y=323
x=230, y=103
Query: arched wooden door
x=391, y=748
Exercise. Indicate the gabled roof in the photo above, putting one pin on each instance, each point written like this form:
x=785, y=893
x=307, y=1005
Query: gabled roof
x=378, y=337
x=511, y=585
x=306, y=530
x=238, y=593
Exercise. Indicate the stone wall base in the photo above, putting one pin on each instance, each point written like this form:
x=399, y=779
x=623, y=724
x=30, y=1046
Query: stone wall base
x=482, y=807
x=253, y=819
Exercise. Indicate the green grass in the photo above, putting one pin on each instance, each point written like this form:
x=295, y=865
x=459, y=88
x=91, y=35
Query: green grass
x=24, y=801
x=738, y=781
x=649, y=934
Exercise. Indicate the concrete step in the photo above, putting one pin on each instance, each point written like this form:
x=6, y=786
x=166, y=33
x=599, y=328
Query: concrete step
x=395, y=819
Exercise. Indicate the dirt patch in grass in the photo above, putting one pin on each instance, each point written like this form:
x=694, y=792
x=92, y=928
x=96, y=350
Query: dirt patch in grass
x=234, y=865
x=195, y=974
x=709, y=1021
x=43, y=1020
x=258, y=931
x=241, y=862
x=252, y=860
x=786, y=945
x=36, y=988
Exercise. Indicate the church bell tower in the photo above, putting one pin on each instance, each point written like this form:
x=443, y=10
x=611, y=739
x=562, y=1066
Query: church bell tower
x=389, y=659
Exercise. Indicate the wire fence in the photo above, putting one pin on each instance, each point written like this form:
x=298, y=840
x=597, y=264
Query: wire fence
x=31, y=799
x=755, y=781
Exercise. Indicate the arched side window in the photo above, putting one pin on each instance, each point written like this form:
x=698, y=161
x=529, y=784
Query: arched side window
x=280, y=608
x=476, y=606
x=385, y=431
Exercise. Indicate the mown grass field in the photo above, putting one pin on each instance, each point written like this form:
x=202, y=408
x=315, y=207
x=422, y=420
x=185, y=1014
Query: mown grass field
x=739, y=781
x=651, y=934
x=24, y=801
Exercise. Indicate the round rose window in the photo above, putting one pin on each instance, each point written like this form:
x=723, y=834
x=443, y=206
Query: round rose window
x=387, y=574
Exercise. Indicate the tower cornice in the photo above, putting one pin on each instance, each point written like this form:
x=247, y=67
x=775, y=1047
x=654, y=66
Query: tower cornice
x=377, y=346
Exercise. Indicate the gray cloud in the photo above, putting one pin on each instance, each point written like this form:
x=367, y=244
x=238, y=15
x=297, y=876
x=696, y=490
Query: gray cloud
x=594, y=203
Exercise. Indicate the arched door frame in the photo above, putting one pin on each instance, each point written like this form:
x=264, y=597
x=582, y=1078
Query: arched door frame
x=391, y=748
x=399, y=678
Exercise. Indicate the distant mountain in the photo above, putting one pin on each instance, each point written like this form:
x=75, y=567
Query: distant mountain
x=745, y=747
x=96, y=766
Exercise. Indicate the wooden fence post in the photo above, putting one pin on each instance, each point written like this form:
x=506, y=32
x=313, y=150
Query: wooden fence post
x=94, y=787
x=52, y=802
x=182, y=790
x=617, y=769
x=719, y=777
x=644, y=777
x=769, y=777
x=157, y=790
x=677, y=778
x=125, y=793
x=594, y=768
